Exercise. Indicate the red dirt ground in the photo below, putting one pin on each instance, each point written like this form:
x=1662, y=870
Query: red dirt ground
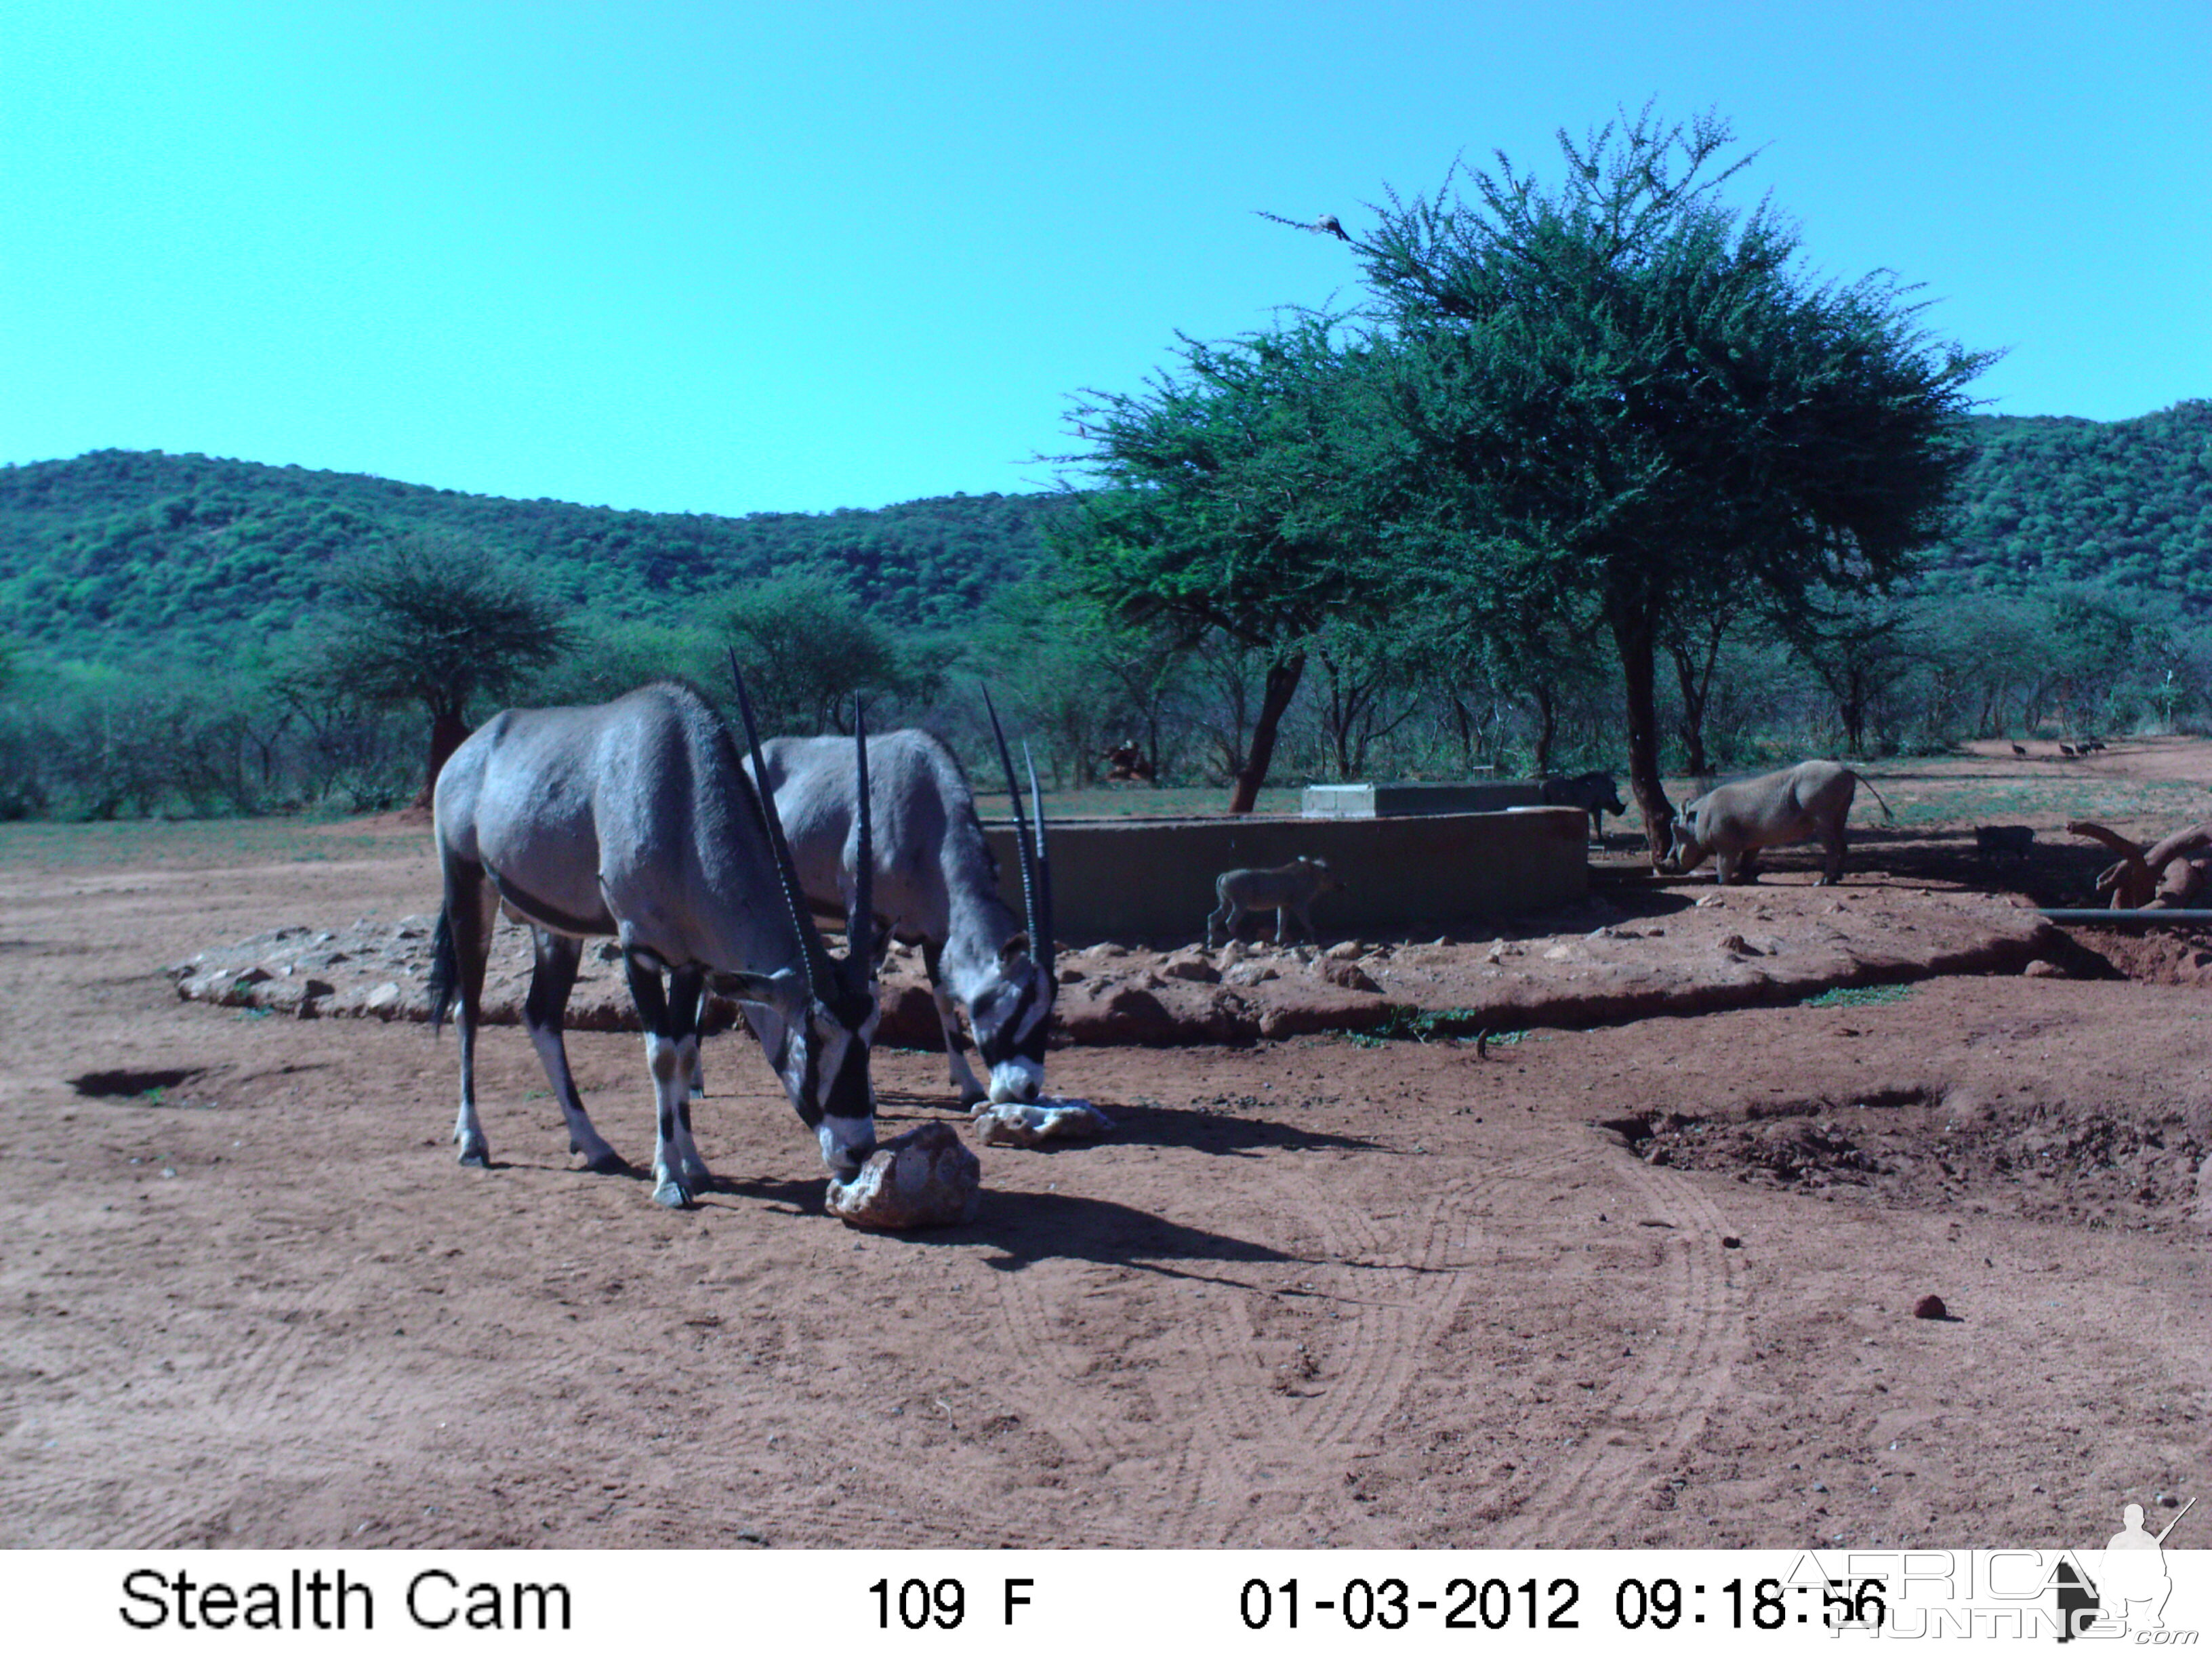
x=1647, y=1282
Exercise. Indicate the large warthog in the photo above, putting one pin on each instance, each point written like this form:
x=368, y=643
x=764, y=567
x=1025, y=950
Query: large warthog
x=1808, y=801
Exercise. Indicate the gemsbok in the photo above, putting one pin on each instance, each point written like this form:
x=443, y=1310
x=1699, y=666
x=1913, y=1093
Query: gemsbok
x=936, y=884
x=636, y=818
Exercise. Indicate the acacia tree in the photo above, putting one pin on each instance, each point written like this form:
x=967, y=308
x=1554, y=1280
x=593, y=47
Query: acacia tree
x=438, y=623
x=1622, y=393
x=1691, y=636
x=1860, y=649
x=1235, y=496
x=1369, y=678
x=808, y=650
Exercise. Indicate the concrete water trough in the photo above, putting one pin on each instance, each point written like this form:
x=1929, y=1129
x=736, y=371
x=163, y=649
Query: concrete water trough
x=1153, y=878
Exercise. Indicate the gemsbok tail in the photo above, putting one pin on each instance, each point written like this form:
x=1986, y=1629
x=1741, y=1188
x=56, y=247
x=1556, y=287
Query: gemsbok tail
x=445, y=969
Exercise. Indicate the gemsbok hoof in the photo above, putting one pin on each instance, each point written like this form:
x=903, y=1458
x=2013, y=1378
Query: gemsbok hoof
x=674, y=1193
x=607, y=1163
x=477, y=1154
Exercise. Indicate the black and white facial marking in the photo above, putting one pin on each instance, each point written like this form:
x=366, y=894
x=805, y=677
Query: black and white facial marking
x=1012, y=1016
x=822, y=1062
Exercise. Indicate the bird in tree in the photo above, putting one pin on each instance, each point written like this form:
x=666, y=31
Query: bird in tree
x=1329, y=225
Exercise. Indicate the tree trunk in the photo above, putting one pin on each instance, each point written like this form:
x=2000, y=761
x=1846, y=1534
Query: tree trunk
x=1547, y=728
x=1465, y=718
x=1696, y=686
x=447, y=732
x=1339, y=716
x=1851, y=706
x=1282, y=684
x=1633, y=635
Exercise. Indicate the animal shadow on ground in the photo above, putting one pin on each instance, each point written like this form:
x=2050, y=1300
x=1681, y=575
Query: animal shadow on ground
x=1194, y=1128
x=1223, y=1133
x=128, y=1084
x=2056, y=873
x=1027, y=1228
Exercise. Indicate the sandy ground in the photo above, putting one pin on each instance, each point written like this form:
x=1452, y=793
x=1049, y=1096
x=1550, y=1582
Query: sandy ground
x=1648, y=1282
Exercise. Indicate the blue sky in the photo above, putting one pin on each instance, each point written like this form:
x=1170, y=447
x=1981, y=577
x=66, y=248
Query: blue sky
x=731, y=257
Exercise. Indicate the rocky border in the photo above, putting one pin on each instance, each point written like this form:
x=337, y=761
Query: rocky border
x=1601, y=963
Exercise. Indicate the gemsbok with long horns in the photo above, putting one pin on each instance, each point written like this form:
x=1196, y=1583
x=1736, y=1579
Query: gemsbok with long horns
x=636, y=818
x=935, y=883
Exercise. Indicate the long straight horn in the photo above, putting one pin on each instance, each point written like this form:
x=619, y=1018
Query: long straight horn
x=1021, y=820
x=860, y=925
x=812, y=953
x=1041, y=939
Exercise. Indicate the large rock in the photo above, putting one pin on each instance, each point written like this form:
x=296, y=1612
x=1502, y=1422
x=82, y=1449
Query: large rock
x=925, y=1178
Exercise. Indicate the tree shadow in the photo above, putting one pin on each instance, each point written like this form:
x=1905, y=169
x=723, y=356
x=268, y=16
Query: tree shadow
x=1637, y=896
x=2059, y=871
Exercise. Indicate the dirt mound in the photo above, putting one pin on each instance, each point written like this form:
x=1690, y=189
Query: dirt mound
x=1930, y=1146
x=2167, y=956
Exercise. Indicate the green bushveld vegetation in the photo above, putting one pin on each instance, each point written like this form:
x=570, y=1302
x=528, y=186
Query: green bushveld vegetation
x=1509, y=513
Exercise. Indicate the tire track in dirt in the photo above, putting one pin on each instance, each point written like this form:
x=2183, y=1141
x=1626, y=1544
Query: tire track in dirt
x=1060, y=1399
x=1673, y=1386
x=1403, y=1279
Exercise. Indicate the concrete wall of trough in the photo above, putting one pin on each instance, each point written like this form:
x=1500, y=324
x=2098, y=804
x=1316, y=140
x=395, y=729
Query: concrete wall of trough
x=1131, y=880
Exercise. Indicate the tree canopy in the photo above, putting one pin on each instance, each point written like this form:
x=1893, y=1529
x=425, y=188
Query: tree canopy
x=808, y=650
x=1620, y=392
x=1239, y=495
x=437, y=624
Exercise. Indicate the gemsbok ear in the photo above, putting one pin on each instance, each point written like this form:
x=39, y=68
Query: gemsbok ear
x=784, y=991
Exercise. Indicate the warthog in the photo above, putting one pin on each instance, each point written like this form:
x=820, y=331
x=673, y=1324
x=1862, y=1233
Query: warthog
x=1809, y=801
x=1596, y=792
x=2012, y=840
x=1292, y=887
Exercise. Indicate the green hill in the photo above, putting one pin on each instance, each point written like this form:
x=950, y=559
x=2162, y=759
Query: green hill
x=2050, y=501
x=113, y=552
x=117, y=553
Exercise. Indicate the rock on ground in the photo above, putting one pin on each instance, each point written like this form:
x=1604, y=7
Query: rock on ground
x=925, y=1178
x=1010, y=1123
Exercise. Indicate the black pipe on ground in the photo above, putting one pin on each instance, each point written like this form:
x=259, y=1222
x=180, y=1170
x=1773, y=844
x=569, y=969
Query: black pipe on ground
x=2136, y=919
